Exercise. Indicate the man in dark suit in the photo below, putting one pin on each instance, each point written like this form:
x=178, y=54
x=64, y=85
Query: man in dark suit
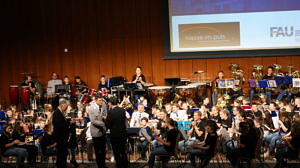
x=61, y=133
x=116, y=122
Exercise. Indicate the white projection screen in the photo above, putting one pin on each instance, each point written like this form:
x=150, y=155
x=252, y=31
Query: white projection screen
x=237, y=28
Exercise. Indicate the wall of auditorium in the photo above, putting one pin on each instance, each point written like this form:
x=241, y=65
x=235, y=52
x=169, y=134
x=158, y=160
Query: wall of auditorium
x=102, y=37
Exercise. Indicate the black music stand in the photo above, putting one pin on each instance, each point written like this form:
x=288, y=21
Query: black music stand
x=60, y=89
x=172, y=81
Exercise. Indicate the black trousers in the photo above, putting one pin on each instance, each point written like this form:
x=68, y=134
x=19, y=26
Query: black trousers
x=99, y=148
x=119, y=149
x=62, y=153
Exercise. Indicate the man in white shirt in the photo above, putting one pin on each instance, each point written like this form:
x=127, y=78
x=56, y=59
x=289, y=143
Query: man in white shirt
x=138, y=115
x=178, y=115
x=52, y=83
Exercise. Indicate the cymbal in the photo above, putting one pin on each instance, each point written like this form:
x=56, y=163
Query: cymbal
x=198, y=72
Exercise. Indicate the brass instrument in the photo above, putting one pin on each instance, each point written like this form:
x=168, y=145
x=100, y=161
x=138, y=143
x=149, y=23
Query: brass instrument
x=290, y=70
x=259, y=71
x=237, y=75
x=277, y=68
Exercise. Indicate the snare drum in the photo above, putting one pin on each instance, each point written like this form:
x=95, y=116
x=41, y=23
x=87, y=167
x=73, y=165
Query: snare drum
x=25, y=96
x=104, y=92
x=159, y=91
x=91, y=92
x=14, y=95
x=86, y=99
x=186, y=91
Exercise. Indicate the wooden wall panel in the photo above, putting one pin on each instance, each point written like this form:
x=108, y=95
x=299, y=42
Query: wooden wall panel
x=102, y=37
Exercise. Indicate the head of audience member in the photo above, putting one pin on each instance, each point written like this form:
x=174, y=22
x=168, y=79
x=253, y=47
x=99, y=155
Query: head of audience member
x=168, y=108
x=214, y=111
x=272, y=106
x=184, y=106
x=210, y=126
x=258, y=122
x=113, y=101
x=242, y=115
x=49, y=129
x=144, y=122
x=206, y=101
x=244, y=128
x=297, y=101
x=237, y=103
x=155, y=109
x=224, y=114
x=197, y=116
x=7, y=129
x=170, y=123
x=162, y=115
x=54, y=76
x=175, y=108
x=140, y=108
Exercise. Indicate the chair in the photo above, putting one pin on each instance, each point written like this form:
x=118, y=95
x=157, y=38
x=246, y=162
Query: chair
x=175, y=157
x=204, y=161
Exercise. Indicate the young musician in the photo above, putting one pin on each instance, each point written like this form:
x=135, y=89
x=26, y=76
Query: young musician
x=138, y=77
x=216, y=81
x=269, y=76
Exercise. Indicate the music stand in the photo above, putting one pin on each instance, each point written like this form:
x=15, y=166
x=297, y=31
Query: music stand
x=172, y=81
x=62, y=88
x=115, y=81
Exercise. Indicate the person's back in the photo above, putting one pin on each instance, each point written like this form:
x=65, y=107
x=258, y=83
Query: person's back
x=116, y=122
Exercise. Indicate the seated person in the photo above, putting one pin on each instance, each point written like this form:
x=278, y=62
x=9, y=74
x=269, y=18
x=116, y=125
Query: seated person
x=248, y=140
x=145, y=138
x=291, y=149
x=138, y=115
x=206, y=148
x=19, y=134
x=9, y=146
x=195, y=134
x=167, y=145
x=47, y=142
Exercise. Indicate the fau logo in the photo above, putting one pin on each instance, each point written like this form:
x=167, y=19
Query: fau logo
x=281, y=31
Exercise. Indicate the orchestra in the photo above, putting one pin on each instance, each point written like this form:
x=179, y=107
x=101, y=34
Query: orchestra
x=189, y=117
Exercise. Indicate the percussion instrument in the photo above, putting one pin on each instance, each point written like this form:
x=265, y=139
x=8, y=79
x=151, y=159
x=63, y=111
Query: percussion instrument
x=159, y=91
x=188, y=91
x=148, y=85
x=25, y=96
x=201, y=89
x=91, y=92
x=14, y=94
x=104, y=92
x=74, y=91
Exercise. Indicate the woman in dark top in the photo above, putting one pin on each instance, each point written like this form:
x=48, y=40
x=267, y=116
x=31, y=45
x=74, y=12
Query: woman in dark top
x=274, y=138
x=206, y=148
x=291, y=150
x=9, y=146
x=248, y=140
x=47, y=142
x=18, y=134
x=167, y=146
